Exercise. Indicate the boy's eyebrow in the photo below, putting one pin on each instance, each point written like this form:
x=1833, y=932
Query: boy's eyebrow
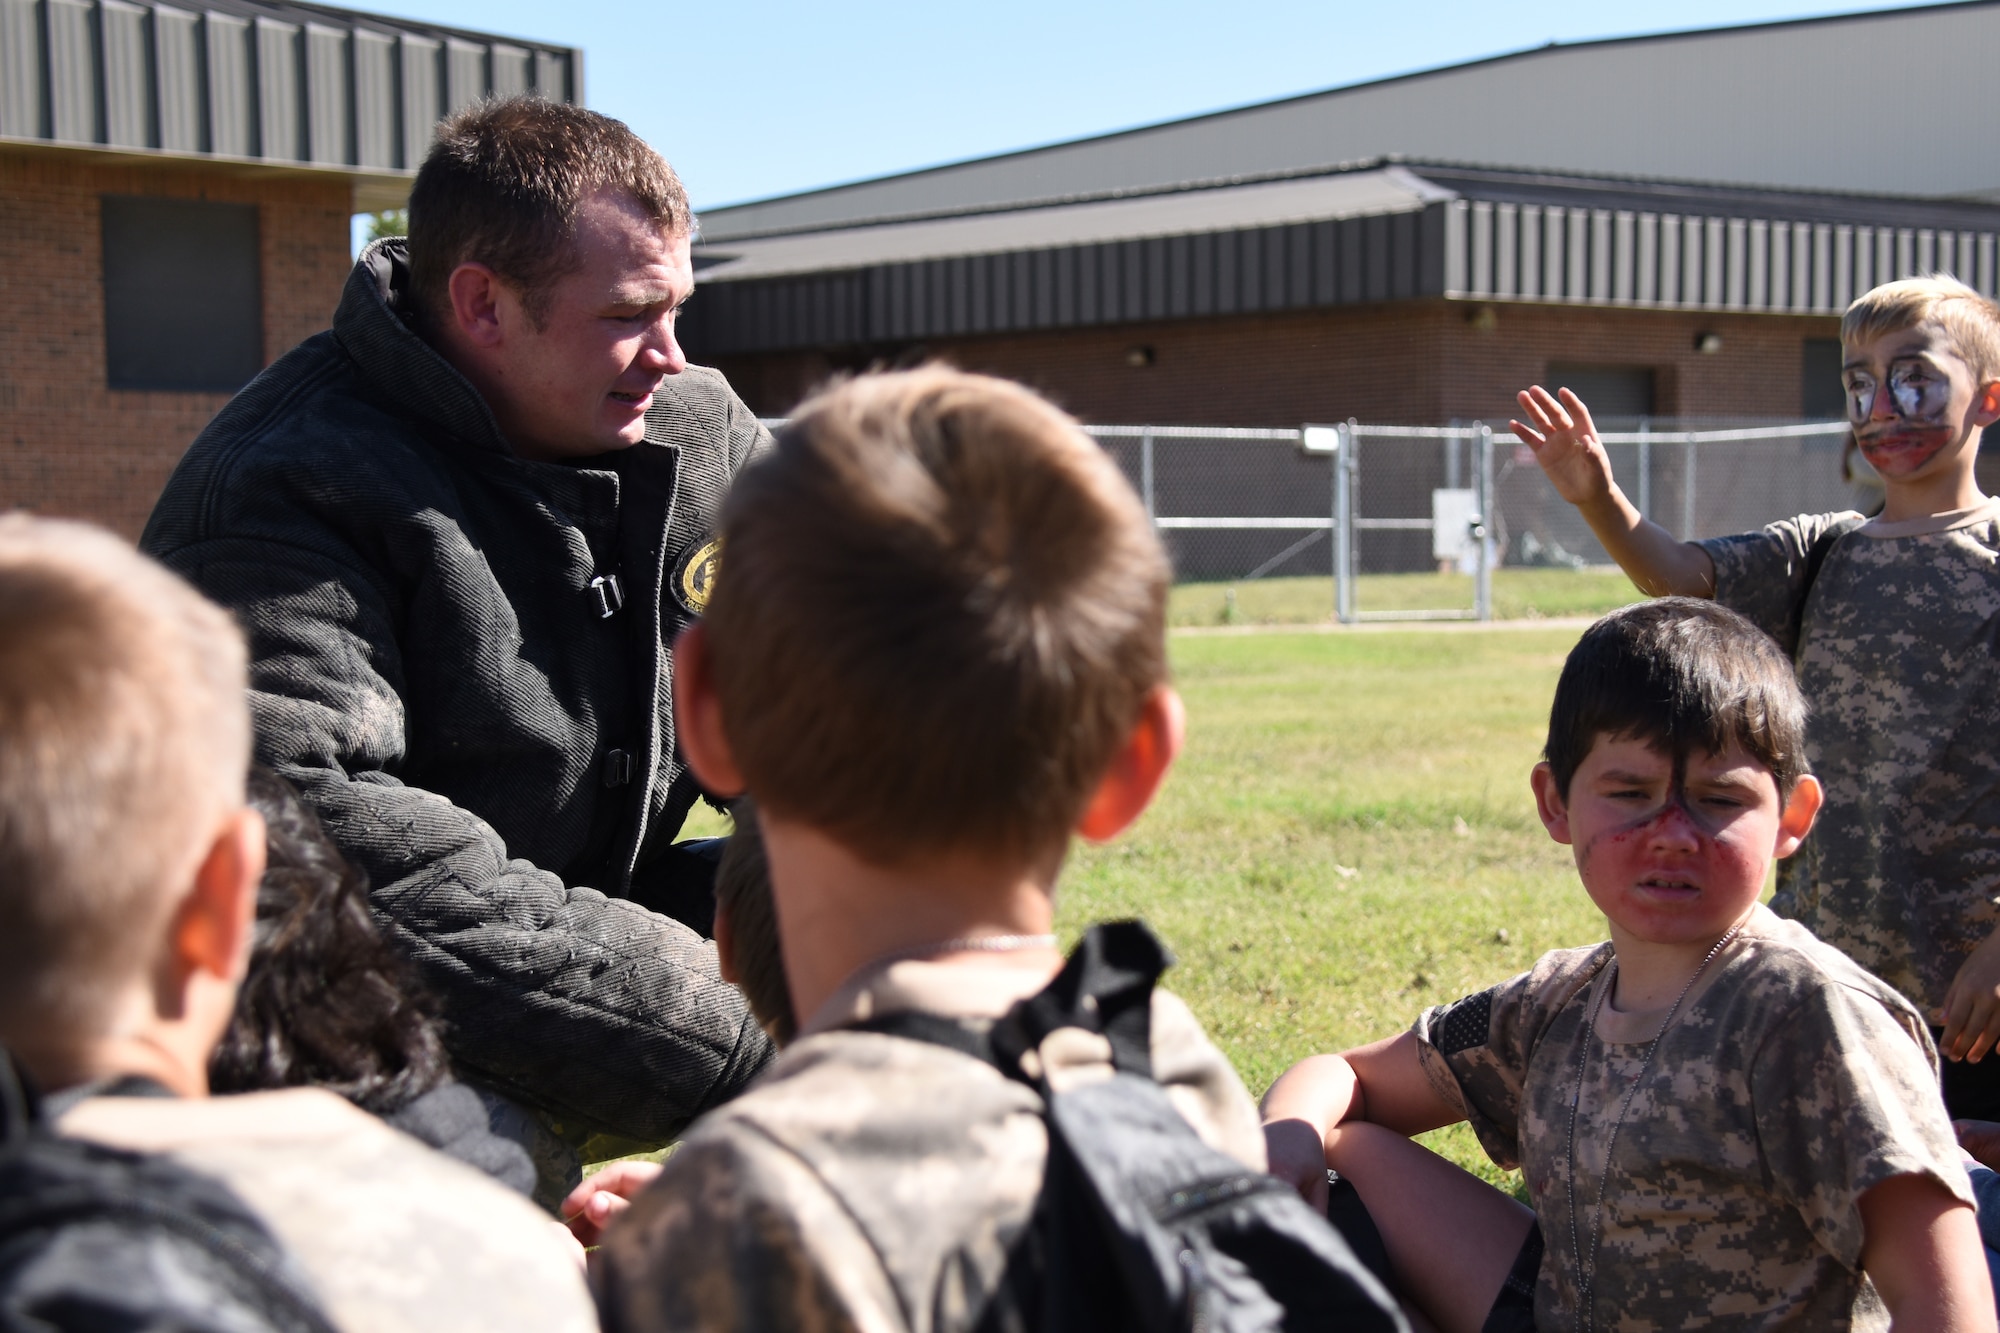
x=1620, y=775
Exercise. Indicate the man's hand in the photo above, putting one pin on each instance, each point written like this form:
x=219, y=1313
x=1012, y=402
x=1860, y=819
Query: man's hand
x=593, y=1205
x=1565, y=442
x=1970, y=1015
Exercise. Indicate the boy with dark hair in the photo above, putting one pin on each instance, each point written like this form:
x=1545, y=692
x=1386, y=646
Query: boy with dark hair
x=129, y=871
x=938, y=651
x=1720, y=1120
x=1892, y=625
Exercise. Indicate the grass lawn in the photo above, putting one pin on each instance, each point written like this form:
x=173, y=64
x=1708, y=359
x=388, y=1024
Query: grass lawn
x=1348, y=838
x=1518, y=594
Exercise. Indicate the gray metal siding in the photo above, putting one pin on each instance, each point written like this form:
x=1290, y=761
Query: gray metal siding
x=1770, y=105
x=22, y=42
x=249, y=79
x=1513, y=252
x=1378, y=258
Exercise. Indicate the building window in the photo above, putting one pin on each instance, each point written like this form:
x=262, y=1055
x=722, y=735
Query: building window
x=1612, y=393
x=182, y=302
x=1820, y=396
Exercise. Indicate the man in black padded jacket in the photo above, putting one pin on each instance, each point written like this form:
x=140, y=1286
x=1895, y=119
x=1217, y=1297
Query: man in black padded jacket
x=462, y=529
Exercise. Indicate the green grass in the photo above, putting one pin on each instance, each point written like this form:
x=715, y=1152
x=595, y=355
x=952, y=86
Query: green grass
x=1348, y=838
x=1518, y=594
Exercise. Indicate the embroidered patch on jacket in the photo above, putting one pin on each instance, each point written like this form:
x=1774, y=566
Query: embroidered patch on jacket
x=694, y=575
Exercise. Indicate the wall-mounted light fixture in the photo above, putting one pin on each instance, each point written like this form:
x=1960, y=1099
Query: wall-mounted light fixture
x=1708, y=344
x=1485, y=319
x=1140, y=357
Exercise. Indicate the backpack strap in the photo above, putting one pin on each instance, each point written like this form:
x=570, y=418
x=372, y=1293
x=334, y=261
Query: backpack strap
x=1106, y=987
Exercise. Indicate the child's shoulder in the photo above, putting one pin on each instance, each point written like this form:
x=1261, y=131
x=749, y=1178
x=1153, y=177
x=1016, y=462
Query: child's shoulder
x=1790, y=987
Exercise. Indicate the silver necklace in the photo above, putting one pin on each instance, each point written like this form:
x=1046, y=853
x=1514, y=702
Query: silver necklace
x=1586, y=1273
x=968, y=944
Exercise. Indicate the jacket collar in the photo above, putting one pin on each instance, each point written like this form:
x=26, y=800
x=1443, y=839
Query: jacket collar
x=373, y=324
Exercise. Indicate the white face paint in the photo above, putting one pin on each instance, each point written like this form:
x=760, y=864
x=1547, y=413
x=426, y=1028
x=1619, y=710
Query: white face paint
x=1917, y=392
x=1920, y=393
x=1860, y=396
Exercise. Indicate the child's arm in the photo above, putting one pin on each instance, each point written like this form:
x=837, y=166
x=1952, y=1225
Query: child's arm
x=1922, y=1250
x=1566, y=445
x=1383, y=1083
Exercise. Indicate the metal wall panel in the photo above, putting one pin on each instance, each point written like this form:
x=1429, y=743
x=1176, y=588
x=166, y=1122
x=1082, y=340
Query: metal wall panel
x=281, y=124
x=378, y=139
x=329, y=103
x=551, y=79
x=177, y=67
x=423, y=95
x=128, y=75
x=250, y=80
x=23, y=100
x=232, y=86
x=465, y=80
x=512, y=71
x=75, y=99
x=1694, y=262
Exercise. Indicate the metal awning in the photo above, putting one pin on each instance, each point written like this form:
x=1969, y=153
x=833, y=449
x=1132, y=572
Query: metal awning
x=254, y=85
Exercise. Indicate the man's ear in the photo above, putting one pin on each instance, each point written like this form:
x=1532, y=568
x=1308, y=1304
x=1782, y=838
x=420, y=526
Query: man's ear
x=698, y=715
x=477, y=298
x=1801, y=808
x=213, y=925
x=1549, y=802
x=1138, y=768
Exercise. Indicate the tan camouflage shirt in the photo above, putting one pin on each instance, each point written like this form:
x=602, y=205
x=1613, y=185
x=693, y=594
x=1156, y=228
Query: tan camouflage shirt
x=1901, y=663
x=397, y=1238
x=867, y=1182
x=1790, y=1083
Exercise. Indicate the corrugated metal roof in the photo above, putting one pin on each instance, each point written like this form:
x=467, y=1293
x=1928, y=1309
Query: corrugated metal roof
x=1770, y=105
x=1370, y=235
x=1389, y=190
x=298, y=85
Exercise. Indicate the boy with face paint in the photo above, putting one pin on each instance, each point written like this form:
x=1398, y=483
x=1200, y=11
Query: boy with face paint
x=1719, y=1119
x=1895, y=645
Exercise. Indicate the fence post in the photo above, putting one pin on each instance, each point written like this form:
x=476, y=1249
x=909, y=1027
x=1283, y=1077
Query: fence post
x=1343, y=528
x=1482, y=586
x=1146, y=470
x=1645, y=467
x=1687, y=488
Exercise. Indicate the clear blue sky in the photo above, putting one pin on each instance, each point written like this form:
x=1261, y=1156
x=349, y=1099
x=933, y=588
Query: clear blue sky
x=751, y=98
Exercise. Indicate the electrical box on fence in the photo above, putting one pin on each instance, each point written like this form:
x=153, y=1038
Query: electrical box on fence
x=1455, y=527
x=1320, y=439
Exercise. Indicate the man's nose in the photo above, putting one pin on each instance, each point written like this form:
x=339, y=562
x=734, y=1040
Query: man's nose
x=661, y=352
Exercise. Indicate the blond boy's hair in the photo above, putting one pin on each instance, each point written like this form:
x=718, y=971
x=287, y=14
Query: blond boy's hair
x=124, y=739
x=1970, y=320
x=940, y=610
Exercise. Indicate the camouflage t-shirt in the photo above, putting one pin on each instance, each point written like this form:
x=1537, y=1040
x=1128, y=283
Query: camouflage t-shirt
x=866, y=1182
x=1900, y=660
x=1790, y=1083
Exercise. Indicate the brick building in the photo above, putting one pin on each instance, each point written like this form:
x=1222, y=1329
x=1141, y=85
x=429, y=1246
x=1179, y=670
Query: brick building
x=176, y=193
x=1671, y=224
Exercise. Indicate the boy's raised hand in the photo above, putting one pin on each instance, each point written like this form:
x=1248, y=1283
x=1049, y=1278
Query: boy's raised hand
x=1564, y=439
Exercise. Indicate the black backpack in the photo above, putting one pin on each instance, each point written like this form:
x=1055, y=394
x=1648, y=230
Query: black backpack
x=1141, y=1227
x=97, y=1240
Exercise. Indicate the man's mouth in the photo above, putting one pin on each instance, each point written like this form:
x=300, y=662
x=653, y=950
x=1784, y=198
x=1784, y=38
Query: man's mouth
x=631, y=399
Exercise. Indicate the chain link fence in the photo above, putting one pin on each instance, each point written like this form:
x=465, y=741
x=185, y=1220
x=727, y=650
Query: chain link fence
x=1237, y=504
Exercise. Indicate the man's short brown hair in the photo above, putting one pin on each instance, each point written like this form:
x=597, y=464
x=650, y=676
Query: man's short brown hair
x=1970, y=320
x=502, y=185
x=939, y=611
x=124, y=739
